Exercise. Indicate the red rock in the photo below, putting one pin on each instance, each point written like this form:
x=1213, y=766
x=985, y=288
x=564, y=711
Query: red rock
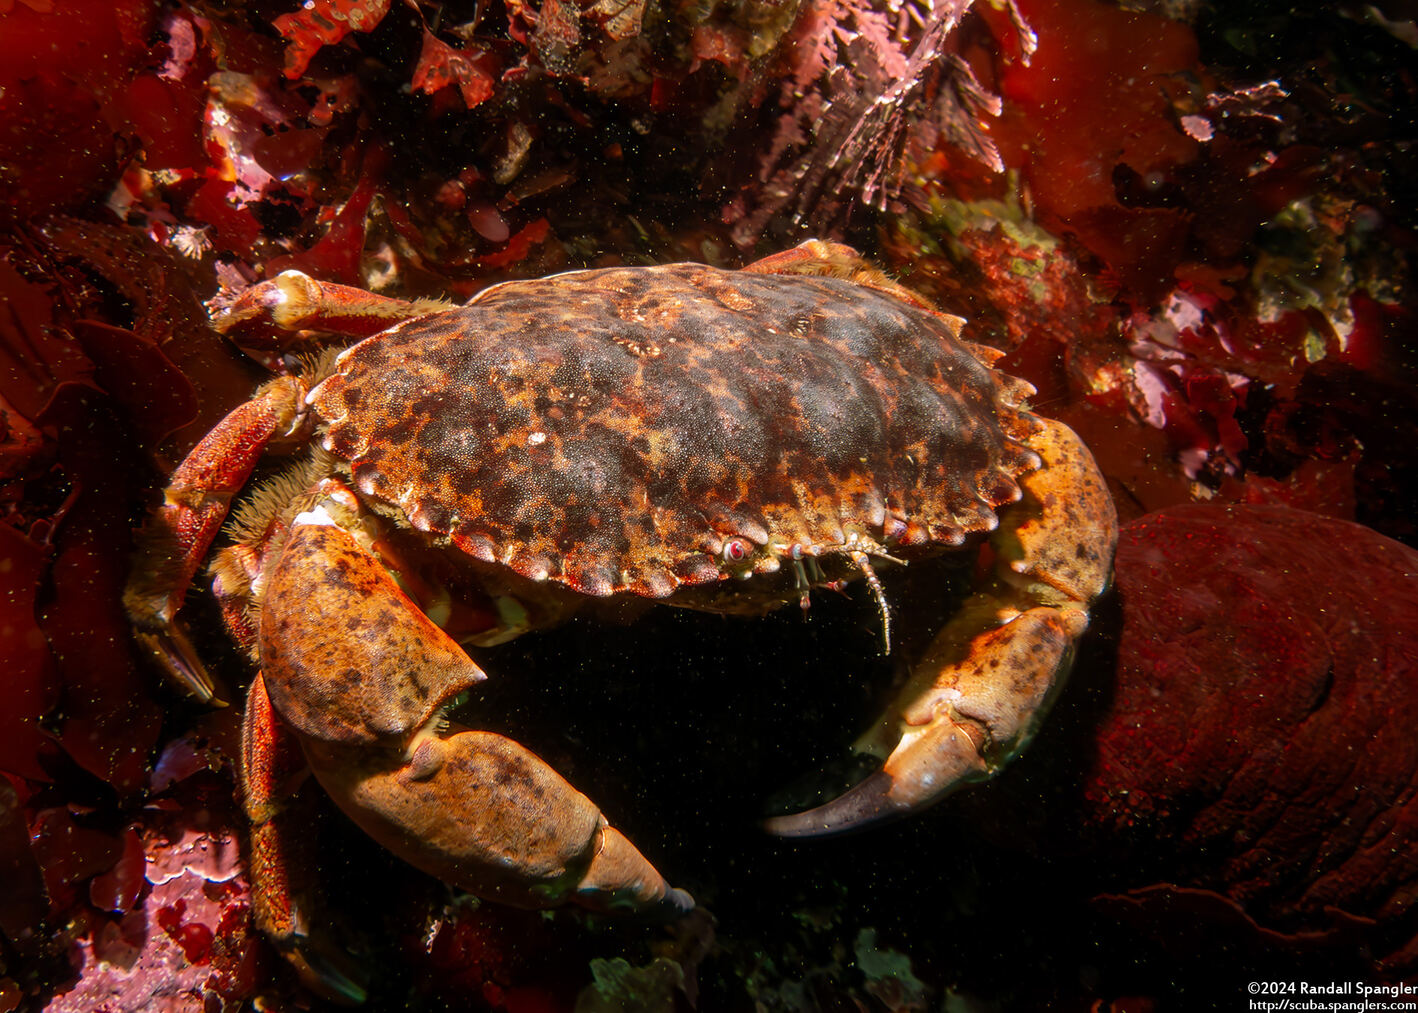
x=193, y=938
x=22, y=899
x=68, y=854
x=1254, y=757
x=30, y=681
x=111, y=718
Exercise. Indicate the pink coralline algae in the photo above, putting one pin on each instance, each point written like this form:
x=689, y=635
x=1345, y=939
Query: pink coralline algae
x=183, y=946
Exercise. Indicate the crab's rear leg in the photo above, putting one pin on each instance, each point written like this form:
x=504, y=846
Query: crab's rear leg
x=988, y=678
x=285, y=900
x=820, y=258
x=365, y=680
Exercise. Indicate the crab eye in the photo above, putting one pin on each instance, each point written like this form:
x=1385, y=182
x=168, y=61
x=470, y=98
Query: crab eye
x=735, y=550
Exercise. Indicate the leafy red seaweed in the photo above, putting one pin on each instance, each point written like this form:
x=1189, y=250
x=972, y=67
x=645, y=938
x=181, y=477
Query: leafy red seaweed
x=321, y=23
x=470, y=70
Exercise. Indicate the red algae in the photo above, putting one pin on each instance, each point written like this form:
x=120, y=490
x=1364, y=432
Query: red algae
x=1094, y=95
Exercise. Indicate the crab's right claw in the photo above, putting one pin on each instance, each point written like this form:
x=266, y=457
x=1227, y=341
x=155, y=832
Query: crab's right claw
x=989, y=677
x=965, y=728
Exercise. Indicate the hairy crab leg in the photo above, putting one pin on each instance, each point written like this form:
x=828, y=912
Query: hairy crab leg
x=364, y=678
x=988, y=678
x=195, y=505
x=283, y=852
x=199, y=492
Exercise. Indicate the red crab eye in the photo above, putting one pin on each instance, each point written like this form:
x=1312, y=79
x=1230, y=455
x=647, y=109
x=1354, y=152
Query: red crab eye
x=735, y=550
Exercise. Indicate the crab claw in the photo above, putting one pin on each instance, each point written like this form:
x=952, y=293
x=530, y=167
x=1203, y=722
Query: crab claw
x=483, y=812
x=989, y=677
x=962, y=732
x=363, y=678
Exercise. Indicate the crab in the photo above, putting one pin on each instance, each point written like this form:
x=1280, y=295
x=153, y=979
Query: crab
x=718, y=440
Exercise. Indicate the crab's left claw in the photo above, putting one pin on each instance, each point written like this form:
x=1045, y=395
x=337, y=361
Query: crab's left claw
x=483, y=812
x=364, y=678
x=988, y=679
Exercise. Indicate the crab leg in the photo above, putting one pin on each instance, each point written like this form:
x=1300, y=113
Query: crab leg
x=817, y=257
x=988, y=678
x=195, y=505
x=364, y=678
x=199, y=493
x=283, y=854
x=293, y=301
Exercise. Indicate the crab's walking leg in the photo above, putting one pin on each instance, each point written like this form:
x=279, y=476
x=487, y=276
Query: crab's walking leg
x=195, y=504
x=364, y=678
x=293, y=301
x=283, y=854
x=817, y=257
x=199, y=493
x=987, y=680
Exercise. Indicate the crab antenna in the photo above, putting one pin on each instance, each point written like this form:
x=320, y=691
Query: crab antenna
x=864, y=564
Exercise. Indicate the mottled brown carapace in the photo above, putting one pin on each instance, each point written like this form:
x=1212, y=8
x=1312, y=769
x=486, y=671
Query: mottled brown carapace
x=646, y=429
